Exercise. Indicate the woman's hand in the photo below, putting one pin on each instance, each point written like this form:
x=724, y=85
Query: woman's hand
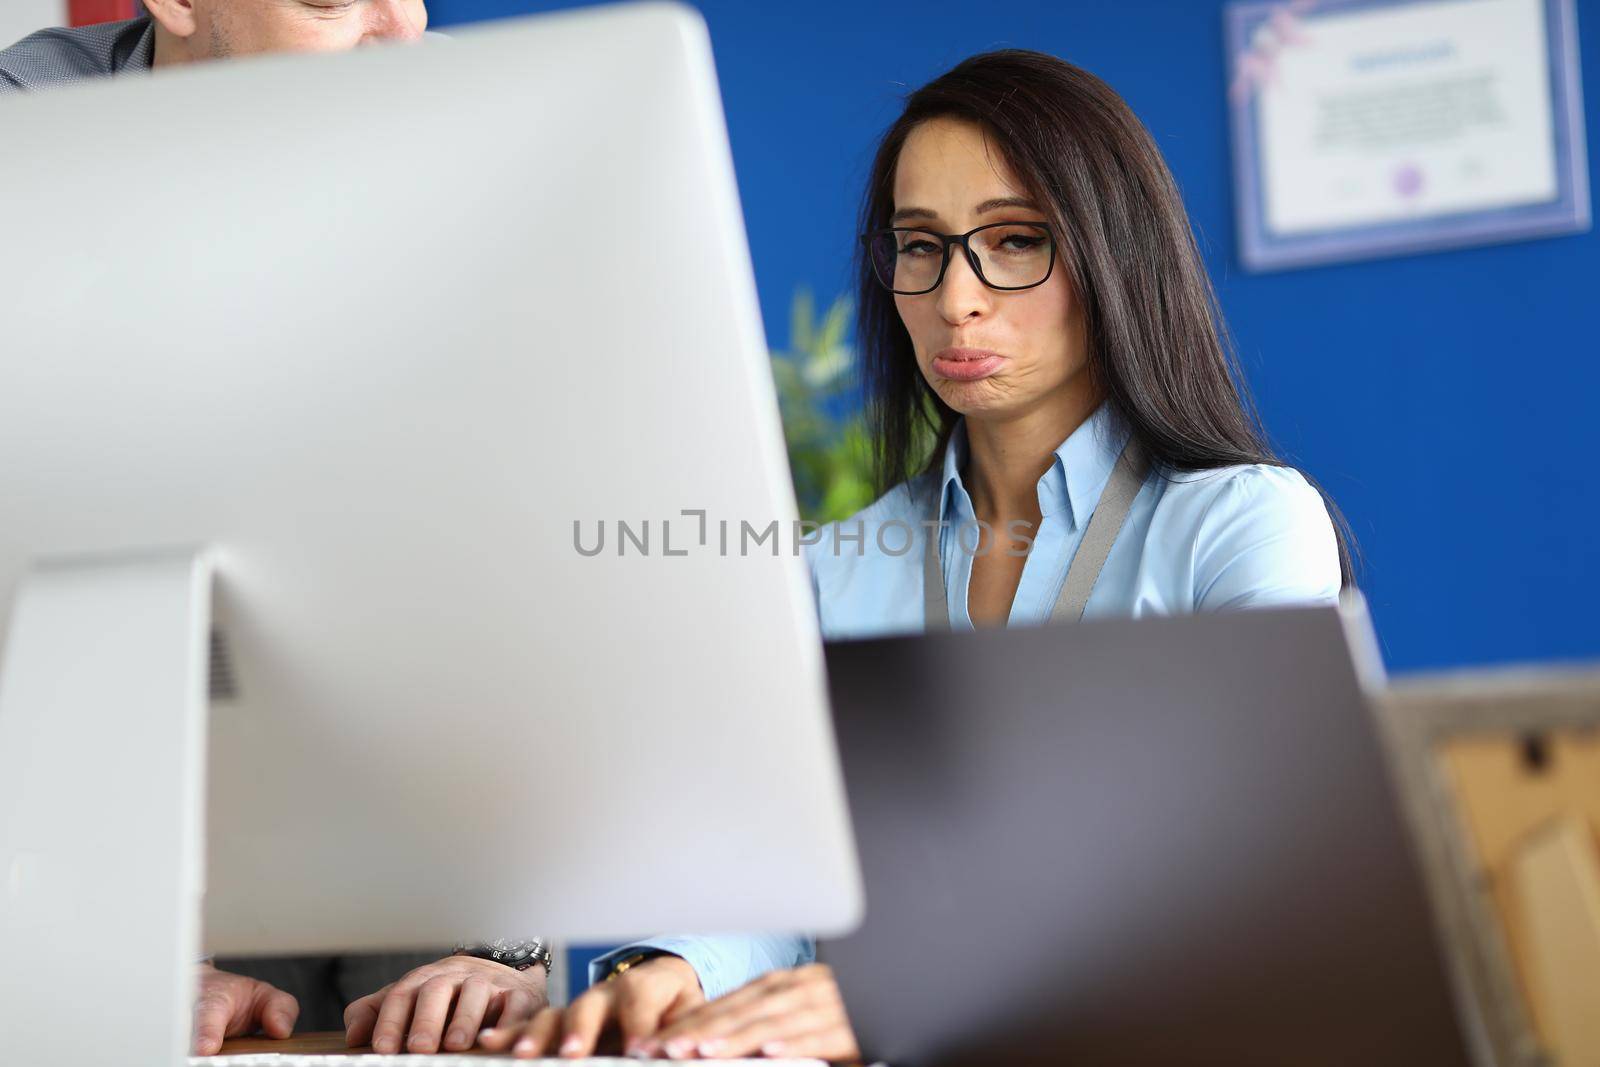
x=638, y=1003
x=795, y=1013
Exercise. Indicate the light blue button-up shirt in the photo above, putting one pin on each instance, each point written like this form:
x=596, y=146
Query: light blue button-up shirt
x=1234, y=537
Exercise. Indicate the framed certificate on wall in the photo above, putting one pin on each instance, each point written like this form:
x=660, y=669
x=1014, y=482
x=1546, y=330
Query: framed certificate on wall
x=1366, y=128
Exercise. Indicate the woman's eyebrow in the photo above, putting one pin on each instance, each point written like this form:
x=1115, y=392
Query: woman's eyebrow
x=1005, y=201
x=906, y=214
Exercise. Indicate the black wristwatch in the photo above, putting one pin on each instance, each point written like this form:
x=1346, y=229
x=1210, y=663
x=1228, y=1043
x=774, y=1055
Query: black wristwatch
x=518, y=955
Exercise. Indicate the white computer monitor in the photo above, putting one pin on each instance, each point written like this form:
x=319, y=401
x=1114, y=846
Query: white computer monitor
x=328, y=356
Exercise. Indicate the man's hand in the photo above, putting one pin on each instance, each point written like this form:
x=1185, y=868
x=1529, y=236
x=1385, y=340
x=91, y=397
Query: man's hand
x=637, y=1003
x=796, y=1013
x=229, y=1005
x=463, y=990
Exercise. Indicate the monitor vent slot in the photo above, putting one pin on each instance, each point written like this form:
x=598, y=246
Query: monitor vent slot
x=224, y=684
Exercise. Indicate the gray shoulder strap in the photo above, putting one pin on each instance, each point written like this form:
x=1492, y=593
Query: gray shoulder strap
x=1110, y=514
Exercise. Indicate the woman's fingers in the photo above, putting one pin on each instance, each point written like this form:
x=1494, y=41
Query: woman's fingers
x=518, y=1008
x=778, y=1010
x=500, y=1036
x=836, y=1044
x=635, y=1003
x=751, y=1038
x=711, y=1035
x=581, y=1024
x=585, y=1019
x=644, y=1006
x=715, y=1018
x=649, y=1044
x=538, y=1035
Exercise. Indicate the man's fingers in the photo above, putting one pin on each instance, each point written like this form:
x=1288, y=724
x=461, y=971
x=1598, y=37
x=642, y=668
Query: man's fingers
x=394, y=1016
x=429, y=1013
x=471, y=1003
x=361, y=1016
x=212, y=1012
x=277, y=1012
x=229, y=1005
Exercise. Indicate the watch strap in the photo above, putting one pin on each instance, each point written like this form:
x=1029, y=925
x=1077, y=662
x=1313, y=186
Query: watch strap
x=518, y=954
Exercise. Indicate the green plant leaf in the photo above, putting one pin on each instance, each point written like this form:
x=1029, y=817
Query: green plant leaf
x=829, y=455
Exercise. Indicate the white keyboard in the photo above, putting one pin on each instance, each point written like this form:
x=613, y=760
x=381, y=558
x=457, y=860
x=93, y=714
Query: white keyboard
x=275, y=1059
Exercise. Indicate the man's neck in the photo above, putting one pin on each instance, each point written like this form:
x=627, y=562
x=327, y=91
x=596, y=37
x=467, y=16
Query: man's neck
x=171, y=50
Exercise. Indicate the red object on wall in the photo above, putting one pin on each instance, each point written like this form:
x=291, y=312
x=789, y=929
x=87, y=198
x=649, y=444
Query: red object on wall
x=88, y=12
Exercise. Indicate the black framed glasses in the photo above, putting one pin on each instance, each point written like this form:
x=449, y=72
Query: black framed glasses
x=1004, y=255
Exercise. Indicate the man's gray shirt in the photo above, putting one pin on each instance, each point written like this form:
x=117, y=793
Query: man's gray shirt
x=58, y=56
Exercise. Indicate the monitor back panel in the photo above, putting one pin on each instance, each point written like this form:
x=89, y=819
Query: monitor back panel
x=398, y=333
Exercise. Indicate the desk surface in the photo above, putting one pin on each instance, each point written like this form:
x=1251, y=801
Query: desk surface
x=333, y=1044
x=304, y=1045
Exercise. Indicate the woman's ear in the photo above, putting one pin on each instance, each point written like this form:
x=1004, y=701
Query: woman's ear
x=175, y=16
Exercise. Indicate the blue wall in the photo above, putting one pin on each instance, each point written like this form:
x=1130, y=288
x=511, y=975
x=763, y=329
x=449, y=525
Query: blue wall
x=1447, y=401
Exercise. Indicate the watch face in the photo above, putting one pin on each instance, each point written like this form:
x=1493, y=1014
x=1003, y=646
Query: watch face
x=519, y=955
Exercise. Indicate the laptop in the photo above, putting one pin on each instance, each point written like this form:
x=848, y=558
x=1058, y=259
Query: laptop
x=1153, y=841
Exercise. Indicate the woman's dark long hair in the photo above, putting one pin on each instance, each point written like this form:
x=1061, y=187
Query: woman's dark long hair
x=1157, y=346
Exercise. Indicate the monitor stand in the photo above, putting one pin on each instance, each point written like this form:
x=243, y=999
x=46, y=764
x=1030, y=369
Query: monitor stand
x=103, y=701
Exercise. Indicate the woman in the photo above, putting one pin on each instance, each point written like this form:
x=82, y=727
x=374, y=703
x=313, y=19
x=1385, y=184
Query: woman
x=1032, y=301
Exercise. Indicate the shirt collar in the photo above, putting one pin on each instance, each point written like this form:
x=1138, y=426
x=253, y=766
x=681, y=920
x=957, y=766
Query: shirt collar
x=135, y=47
x=951, y=491
x=1077, y=476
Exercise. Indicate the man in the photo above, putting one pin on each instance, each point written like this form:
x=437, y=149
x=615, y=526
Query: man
x=186, y=31
x=480, y=984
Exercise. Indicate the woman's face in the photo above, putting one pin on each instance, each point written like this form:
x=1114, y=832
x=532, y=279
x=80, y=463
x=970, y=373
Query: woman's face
x=988, y=354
